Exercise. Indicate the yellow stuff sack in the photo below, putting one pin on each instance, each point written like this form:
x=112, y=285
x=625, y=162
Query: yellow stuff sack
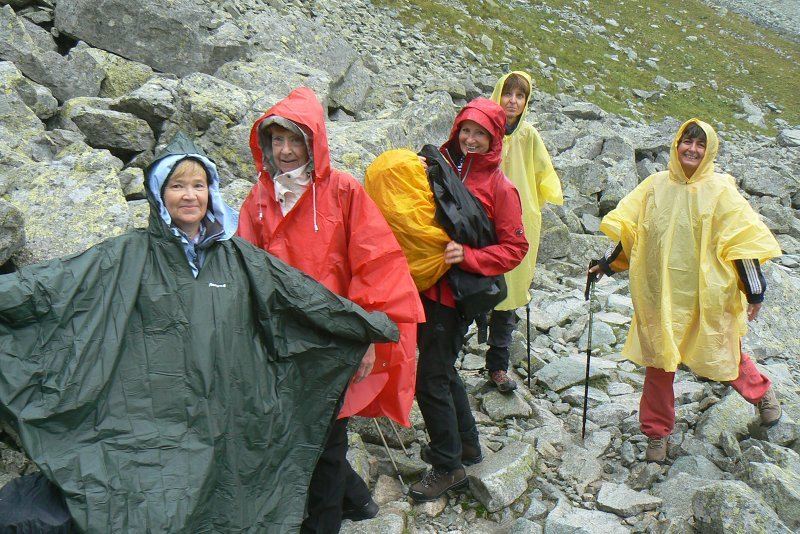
x=397, y=183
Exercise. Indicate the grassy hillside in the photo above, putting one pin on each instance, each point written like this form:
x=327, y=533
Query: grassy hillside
x=623, y=45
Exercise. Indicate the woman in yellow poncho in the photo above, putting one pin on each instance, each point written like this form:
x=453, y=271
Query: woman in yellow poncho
x=694, y=248
x=527, y=164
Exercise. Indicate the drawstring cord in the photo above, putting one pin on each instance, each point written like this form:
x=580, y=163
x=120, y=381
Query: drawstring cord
x=314, y=200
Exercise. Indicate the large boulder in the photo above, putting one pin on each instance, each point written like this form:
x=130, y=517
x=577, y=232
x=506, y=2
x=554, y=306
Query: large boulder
x=732, y=506
x=70, y=203
x=780, y=488
x=502, y=477
x=37, y=97
x=566, y=519
x=732, y=414
x=170, y=37
x=154, y=101
x=121, y=75
x=12, y=231
x=428, y=120
x=354, y=145
x=122, y=133
x=774, y=332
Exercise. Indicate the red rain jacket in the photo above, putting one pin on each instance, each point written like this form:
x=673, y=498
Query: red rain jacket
x=482, y=175
x=353, y=253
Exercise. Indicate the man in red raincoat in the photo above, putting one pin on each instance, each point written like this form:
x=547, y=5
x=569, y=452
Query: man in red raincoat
x=474, y=151
x=321, y=221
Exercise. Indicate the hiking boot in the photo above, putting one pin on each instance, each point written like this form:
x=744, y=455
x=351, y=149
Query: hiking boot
x=656, y=450
x=769, y=409
x=501, y=380
x=470, y=454
x=368, y=511
x=436, y=483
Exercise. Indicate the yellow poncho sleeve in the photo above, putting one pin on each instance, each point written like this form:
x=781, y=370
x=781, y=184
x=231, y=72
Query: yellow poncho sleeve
x=548, y=186
x=621, y=223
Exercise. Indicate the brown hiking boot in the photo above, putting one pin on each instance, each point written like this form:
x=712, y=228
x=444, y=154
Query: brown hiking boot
x=769, y=409
x=501, y=380
x=656, y=450
x=470, y=454
x=436, y=483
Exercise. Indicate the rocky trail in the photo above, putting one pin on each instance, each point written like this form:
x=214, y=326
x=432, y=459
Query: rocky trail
x=84, y=106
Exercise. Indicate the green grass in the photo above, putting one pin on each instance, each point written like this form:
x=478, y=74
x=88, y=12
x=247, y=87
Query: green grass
x=725, y=51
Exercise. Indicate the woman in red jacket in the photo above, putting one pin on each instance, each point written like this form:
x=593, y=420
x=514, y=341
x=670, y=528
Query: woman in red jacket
x=474, y=150
x=321, y=221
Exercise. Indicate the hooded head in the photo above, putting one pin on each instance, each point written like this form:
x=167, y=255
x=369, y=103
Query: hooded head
x=300, y=113
x=691, y=157
x=178, y=150
x=489, y=116
x=507, y=87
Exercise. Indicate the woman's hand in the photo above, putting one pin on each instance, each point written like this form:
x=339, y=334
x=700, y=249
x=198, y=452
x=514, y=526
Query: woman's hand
x=453, y=253
x=597, y=272
x=423, y=161
x=366, y=365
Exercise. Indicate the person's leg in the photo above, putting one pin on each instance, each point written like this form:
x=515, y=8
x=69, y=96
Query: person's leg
x=657, y=407
x=327, y=488
x=358, y=504
x=501, y=325
x=439, y=340
x=751, y=383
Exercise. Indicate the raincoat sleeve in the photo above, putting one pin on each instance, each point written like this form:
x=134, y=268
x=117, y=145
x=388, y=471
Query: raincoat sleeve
x=739, y=232
x=548, y=186
x=621, y=223
x=248, y=227
x=511, y=244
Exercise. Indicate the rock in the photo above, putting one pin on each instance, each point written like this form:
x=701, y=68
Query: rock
x=473, y=362
x=536, y=509
x=154, y=101
x=623, y=501
x=131, y=181
x=103, y=128
x=121, y=75
x=235, y=192
x=644, y=474
x=206, y=99
x=731, y=506
x=352, y=90
x=753, y=114
x=619, y=388
x=428, y=120
x=789, y=137
x=762, y=180
x=12, y=231
x=365, y=427
x=695, y=466
x=276, y=76
x=499, y=406
x=553, y=235
x=566, y=519
x=602, y=335
x=556, y=313
x=502, y=477
x=574, y=396
x=389, y=523
x=168, y=40
x=784, y=432
x=677, y=493
x=775, y=330
x=732, y=414
x=780, y=488
x=583, y=248
x=354, y=145
x=90, y=202
x=525, y=526
x=357, y=456
x=585, y=111
x=387, y=489
x=566, y=372
x=687, y=391
x=579, y=467
x=37, y=97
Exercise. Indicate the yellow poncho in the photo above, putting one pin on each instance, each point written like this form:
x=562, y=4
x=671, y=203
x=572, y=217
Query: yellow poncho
x=681, y=236
x=527, y=164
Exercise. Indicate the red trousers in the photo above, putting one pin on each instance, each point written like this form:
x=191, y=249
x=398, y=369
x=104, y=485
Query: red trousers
x=657, y=407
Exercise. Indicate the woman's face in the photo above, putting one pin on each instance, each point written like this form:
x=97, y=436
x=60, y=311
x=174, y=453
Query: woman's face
x=186, y=199
x=472, y=137
x=690, y=154
x=513, y=103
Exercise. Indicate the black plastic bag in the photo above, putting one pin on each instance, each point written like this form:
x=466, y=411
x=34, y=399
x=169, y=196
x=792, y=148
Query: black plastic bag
x=31, y=504
x=463, y=218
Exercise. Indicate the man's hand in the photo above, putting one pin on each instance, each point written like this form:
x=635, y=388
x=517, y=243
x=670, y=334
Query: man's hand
x=424, y=162
x=752, y=311
x=454, y=253
x=366, y=365
x=597, y=272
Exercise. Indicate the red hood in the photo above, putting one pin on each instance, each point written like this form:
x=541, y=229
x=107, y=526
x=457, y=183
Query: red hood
x=492, y=117
x=302, y=108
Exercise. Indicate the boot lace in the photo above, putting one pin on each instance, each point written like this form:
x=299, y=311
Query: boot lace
x=431, y=477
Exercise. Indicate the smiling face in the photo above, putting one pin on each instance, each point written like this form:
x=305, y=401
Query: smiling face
x=691, y=151
x=186, y=196
x=472, y=137
x=289, y=149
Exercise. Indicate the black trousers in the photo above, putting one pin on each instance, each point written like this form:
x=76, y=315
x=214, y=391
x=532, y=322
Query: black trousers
x=441, y=395
x=501, y=325
x=334, y=485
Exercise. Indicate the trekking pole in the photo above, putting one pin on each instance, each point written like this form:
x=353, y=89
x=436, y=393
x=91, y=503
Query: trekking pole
x=528, y=339
x=397, y=435
x=388, y=451
x=588, y=293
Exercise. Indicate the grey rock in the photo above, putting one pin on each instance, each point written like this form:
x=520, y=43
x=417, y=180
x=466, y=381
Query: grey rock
x=732, y=414
x=774, y=332
x=753, y=114
x=611, y=414
x=388, y=523
x=644, y=474
x=501, y=478
x=354, y=145
x=546, y=315
x=387, y=489
x=789, y=137
x=695, y=466
x=37, y=97
x=780, y=488
x=154, y=101
x=169, y=40
x=677, y=493
x=276, y=75
x=131, y=181
x=580, y=467
x=357, y=456
x=235, y=192
x=499, y=406
x=365, y=427
x=104, y=128
x=623, y=501
x=602, y=335
x=784, y=432
x=554, y=234
x=428, y=120
x=566, y=519
x=762, y=180
x=12, y=231
x=352, y=90
x=121, y=75
x=206, y=99
x=732, y=506
x=536, y=509
x=566, y=372
x=583, y=248
x=585, y=111
x=525, y=526
x=473, y=362
x=574, y=396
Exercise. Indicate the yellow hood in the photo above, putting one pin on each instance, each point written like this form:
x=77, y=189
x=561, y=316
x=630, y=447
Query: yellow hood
x=706, y=167
x=498, y=91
